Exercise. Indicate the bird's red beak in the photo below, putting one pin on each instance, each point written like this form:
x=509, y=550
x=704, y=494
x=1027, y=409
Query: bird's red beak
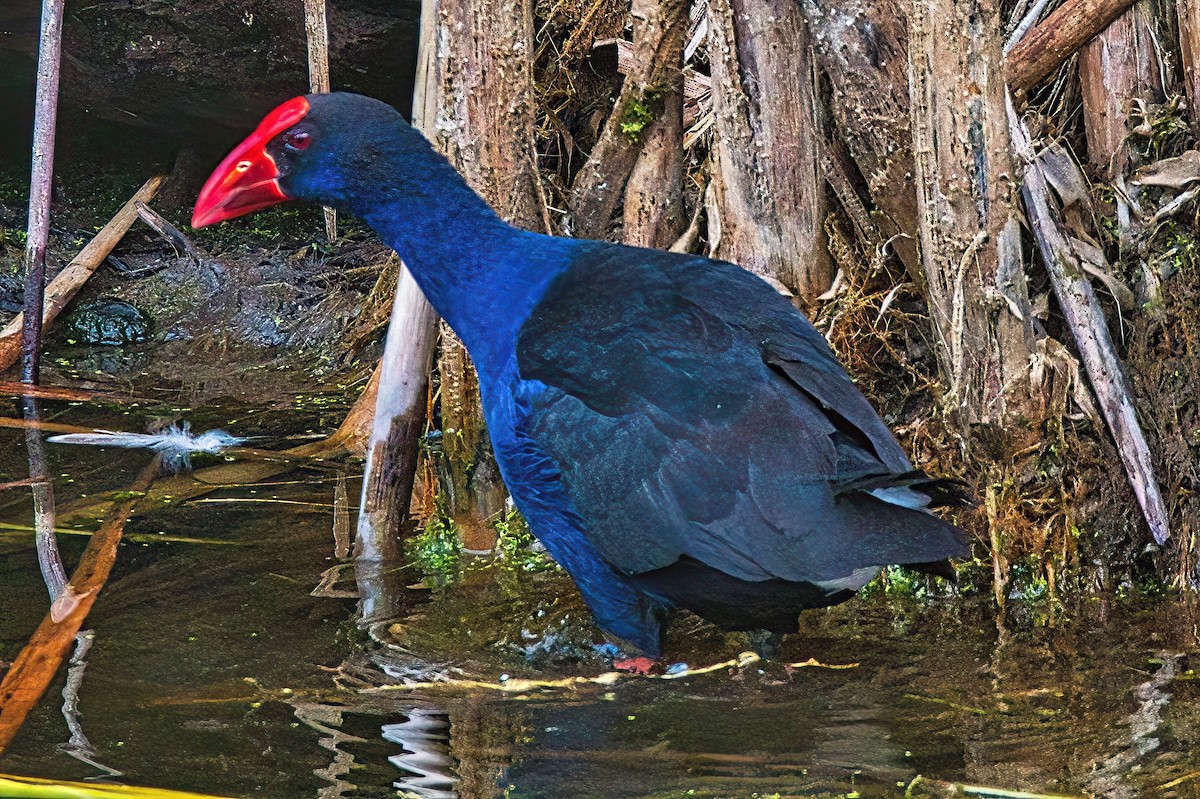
x=248, y=179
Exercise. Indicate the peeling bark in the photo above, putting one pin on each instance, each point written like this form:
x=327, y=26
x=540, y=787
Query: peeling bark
x=485, y=125
x=767, y=186
x=1085, y=318
x=1116, y=68
x=969, y=233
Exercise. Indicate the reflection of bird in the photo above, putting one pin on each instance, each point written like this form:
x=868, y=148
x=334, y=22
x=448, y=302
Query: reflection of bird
x=673, y=430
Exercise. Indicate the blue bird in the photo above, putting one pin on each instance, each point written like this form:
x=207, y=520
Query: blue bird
x=674, y=431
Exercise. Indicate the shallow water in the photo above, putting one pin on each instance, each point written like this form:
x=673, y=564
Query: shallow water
x=213, y=669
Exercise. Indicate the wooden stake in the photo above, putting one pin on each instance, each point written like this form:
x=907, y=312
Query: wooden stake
x=41, y=177
x=316, y=26
x=68, y=282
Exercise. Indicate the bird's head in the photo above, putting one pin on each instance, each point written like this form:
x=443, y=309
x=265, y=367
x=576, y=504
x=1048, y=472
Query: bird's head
x=319, y=147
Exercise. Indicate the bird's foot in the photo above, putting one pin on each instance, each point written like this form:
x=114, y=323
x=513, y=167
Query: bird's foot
x=639, y=665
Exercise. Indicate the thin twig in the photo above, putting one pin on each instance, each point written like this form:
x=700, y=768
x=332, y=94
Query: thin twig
x=168, y=231
x=40, y=179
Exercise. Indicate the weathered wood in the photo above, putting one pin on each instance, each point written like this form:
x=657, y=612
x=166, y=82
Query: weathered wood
x=41, y=177
x=1116, y=68
x=484, y=105
x=654, y=215
x=968, y=228
x=316, y=29
x=862, y=46
x=1085, y=318
x=600, y=184
x=67, y=283
x=1058, y=37
x=766, y=180
x=399, y=423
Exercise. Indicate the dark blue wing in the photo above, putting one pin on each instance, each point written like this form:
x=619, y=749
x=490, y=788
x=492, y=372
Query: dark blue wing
x=691, y=411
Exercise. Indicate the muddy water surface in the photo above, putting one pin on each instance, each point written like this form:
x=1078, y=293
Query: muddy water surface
x=214, y=669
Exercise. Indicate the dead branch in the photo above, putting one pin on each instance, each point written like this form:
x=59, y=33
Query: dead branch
x=1049, y=44
x=168, y=231
x=9, y=388
x=38, y=662
x=1085, y=319
x=68, y=282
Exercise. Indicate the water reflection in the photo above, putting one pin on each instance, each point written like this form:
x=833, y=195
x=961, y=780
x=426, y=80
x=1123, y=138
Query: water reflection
x=215, y=670
x=425, y=738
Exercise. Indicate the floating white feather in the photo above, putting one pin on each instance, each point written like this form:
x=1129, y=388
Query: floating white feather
x=175, y=443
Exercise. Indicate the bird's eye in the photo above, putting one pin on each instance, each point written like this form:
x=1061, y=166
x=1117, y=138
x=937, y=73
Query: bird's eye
x=297, y=140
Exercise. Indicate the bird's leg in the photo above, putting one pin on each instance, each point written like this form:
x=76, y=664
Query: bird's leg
x=640, y=665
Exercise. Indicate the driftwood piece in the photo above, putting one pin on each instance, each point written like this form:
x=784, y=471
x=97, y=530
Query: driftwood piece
x=38, y=662
x=316, y=29
x=65, y=285
x=41, y=175
x=1050, y=43
x=968, y=228
x=1085, y=319
x=1117, y=68
x=600, y=184
x=766, y=177
x=398, y=424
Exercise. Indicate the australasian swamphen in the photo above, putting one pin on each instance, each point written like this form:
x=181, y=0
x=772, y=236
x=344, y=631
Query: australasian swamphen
x=674, y=431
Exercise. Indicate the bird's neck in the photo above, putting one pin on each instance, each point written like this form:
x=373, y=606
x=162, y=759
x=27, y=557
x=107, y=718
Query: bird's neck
x=482, y=275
